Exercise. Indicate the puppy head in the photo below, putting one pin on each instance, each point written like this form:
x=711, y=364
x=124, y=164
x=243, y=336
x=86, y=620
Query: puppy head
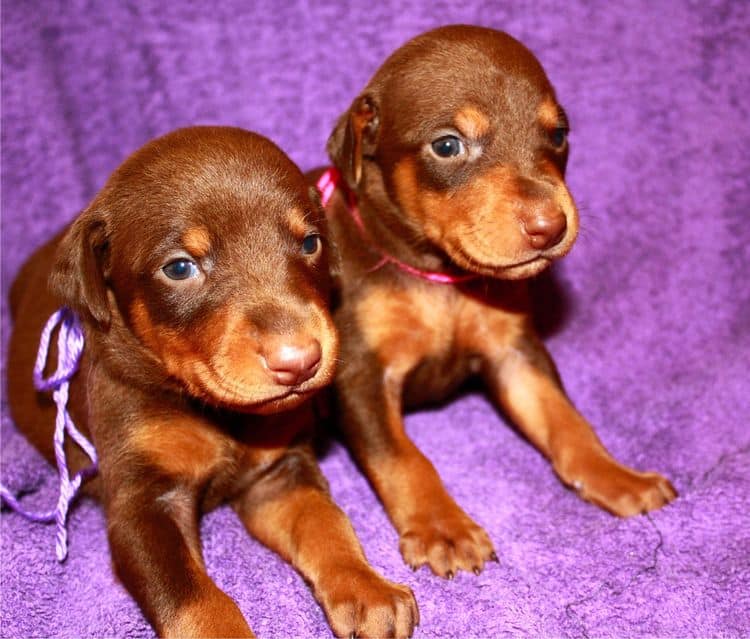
x=208, y=251
x=460, y=132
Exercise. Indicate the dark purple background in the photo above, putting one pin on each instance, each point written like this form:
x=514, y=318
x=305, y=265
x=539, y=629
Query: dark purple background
x=654, y=341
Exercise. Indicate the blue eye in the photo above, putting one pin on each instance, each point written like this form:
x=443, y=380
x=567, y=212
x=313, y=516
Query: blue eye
x=311, y=244
x=181, y=269
x=448, y=146
x=559, y=135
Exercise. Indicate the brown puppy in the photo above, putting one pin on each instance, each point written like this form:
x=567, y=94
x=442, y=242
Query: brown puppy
x=452, y=162
x=201, y=276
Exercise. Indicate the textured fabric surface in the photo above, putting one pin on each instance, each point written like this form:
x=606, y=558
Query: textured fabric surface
x=649, y=315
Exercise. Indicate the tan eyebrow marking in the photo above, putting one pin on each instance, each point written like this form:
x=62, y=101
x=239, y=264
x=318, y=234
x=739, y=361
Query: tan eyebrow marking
x=472, y=122
x=197, y=241
x=297, y=222
x=550, y=114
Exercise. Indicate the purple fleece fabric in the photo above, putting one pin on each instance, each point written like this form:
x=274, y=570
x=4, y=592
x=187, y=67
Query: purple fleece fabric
x=650, y=314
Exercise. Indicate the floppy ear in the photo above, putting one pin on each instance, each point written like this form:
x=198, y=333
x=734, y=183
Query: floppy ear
x=77, y=277
x=355, y=136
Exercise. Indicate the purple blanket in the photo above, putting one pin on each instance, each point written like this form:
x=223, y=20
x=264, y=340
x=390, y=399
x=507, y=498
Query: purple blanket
x=648, y=318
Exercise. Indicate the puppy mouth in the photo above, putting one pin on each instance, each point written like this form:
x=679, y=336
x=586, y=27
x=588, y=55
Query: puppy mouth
x=285, y=401
x=245, y=402
x=260, y=398
x=524, y=269
x=511, y=270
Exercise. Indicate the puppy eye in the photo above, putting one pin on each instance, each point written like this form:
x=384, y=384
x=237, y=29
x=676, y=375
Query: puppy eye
x=181, y=269
x=448, y=146
x=311, y=244
x=558, y=136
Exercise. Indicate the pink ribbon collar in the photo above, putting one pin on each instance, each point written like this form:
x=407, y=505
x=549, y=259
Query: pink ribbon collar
x=327, y=184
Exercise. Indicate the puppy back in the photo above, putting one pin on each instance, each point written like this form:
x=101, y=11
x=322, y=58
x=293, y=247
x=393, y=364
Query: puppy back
x=31, y=281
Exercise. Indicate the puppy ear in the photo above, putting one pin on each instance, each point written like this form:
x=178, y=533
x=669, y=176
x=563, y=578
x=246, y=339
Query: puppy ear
x=77, y=277
x=355, y=136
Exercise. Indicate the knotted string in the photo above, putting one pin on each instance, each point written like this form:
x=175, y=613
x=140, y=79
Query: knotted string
x=70, y=343
x=327, y=184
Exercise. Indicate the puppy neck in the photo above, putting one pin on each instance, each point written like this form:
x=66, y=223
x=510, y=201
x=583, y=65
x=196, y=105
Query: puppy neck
x=396, y=242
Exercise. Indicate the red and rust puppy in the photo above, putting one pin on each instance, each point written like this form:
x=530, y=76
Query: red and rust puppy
x=452, y=162
x=201, y=276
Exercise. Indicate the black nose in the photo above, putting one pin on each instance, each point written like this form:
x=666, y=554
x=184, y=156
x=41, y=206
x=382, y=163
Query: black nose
x=293, y=359
x=545, y=228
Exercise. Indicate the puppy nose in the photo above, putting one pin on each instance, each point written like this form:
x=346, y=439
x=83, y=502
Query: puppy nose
x=545, y=229
x=291, y=360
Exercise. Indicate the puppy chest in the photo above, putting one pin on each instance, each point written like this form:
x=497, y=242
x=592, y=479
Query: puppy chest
x=403, y=326
x=189, y=450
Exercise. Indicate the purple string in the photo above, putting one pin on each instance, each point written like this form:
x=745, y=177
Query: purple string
x=69, y=349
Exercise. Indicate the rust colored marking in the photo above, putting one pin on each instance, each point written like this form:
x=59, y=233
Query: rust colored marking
x=549, y=113
x=472, y=123
x=197, y=241
x=213, y=615
x=181, y=447
x=390, y=319
x=477, y=222
x=297, y=220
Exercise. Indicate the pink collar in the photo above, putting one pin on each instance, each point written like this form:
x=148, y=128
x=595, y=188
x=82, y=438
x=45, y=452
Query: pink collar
x=327, y=184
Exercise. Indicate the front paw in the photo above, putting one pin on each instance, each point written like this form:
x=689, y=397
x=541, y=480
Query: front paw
x=360, y=603
x=618, y=489
x=447, y=540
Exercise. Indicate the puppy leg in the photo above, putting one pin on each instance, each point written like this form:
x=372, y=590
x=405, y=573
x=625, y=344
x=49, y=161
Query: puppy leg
x=153, y=535
x=526, y=384
x=290, y=511
x=433, y=529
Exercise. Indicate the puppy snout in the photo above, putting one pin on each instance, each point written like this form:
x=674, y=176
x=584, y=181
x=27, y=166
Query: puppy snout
x=292, y=360
x=544, y=229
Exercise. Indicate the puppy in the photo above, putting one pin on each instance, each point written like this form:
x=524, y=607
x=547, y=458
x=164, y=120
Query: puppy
x=200, y=274
x=447, y=195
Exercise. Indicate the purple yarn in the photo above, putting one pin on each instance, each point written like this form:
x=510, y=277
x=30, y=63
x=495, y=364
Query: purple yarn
x=70, y=341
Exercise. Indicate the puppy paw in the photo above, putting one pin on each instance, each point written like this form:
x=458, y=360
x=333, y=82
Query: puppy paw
x=360, y=603
x=447, y=540
x=618, y=489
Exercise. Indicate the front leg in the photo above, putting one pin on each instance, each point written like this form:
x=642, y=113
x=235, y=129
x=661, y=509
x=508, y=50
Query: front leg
x=525, y=383
x=289, y=510
x=153, y=535
x=433, y=529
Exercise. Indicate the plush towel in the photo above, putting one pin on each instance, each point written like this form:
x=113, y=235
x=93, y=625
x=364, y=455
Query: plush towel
x=648, y=318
